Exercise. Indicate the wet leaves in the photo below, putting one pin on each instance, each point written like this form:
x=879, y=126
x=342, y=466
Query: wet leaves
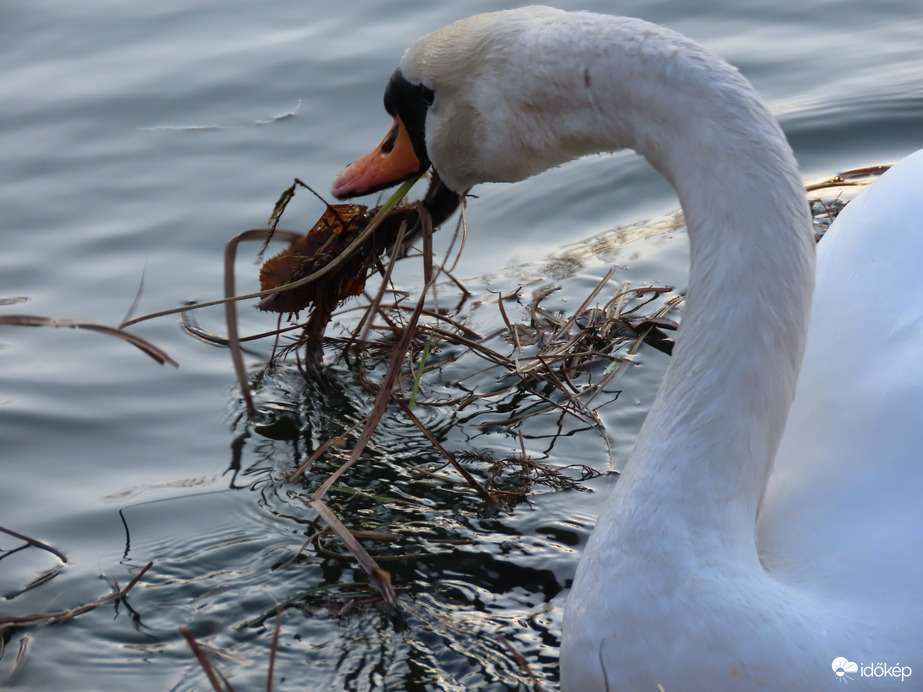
x=333, y=233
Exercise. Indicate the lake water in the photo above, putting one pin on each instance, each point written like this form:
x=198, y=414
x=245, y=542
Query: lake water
x=137, y=139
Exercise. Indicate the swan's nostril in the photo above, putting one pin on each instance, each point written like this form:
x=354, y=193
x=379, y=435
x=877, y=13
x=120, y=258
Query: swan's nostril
x=387, y=146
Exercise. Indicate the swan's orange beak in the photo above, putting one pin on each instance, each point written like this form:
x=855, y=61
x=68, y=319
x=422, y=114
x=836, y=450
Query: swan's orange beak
x=391, y=162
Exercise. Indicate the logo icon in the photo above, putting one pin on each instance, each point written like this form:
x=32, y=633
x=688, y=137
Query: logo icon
x=842, y=666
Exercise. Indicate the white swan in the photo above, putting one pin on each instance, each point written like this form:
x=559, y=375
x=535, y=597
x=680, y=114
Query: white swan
x=704, y=572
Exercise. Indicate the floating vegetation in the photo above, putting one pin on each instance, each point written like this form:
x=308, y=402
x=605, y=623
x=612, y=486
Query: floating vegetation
x=829, y=196
x=149, y=349
x=13, y=624
x=545, y=365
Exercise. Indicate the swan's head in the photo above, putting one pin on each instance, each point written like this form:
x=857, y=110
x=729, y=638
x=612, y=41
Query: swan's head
x=477, y=101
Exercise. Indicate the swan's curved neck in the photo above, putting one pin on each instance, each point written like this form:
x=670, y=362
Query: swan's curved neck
x=704, y=453
x=562, y=85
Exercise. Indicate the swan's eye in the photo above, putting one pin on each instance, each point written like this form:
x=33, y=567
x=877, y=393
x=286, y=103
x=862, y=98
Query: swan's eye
x=427, y=95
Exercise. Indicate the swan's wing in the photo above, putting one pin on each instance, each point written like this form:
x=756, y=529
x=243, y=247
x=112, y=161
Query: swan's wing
x=845, y=501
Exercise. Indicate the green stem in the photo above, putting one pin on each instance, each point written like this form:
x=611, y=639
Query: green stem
x=419, y=374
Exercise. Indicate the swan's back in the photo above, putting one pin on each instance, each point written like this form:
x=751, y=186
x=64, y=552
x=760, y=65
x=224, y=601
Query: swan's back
x=844, y=507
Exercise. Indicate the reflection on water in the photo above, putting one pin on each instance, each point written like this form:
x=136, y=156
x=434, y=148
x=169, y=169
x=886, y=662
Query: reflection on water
x=464, y=573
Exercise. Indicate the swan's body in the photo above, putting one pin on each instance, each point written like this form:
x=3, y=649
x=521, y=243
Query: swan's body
x=704, y=573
